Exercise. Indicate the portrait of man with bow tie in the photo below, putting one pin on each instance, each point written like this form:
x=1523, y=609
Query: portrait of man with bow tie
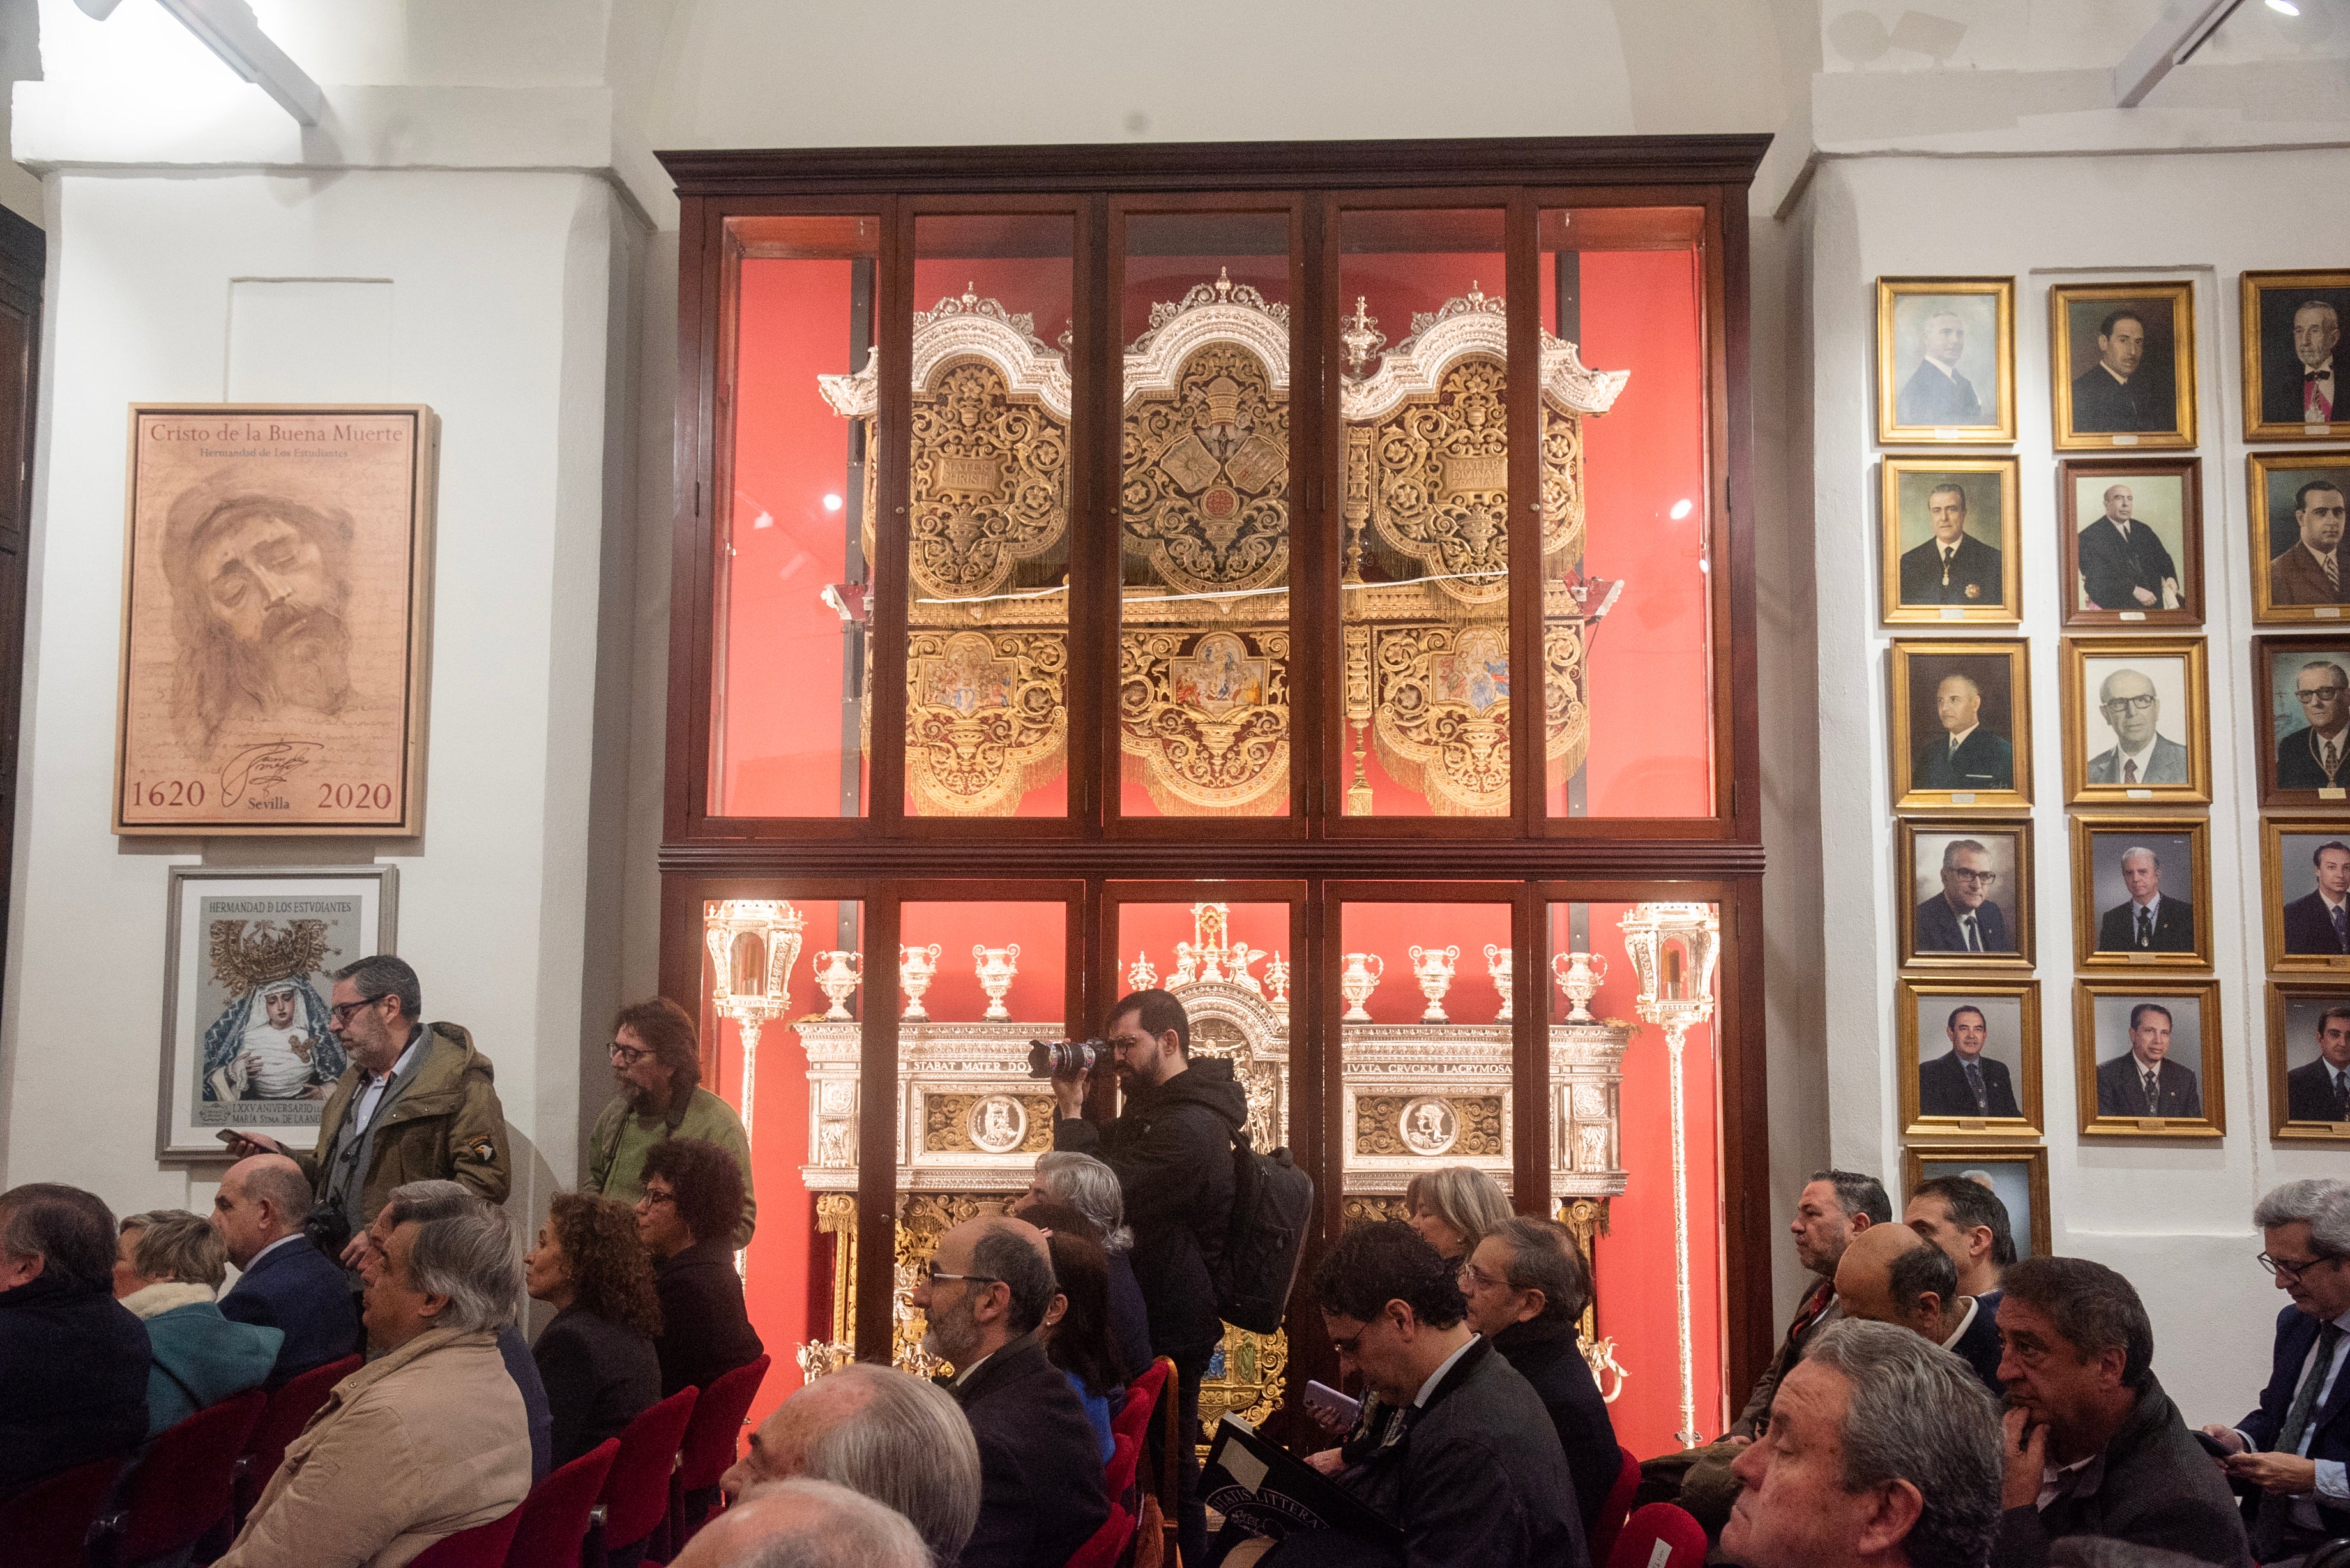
x=2291, y=387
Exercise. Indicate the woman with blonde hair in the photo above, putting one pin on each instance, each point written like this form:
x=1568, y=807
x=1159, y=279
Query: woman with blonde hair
x=1453, y=1209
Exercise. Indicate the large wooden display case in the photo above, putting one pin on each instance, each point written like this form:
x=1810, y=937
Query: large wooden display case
x=1118, y=561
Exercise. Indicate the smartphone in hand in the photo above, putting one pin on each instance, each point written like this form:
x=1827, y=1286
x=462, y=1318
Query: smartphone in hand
x=1334, y=1411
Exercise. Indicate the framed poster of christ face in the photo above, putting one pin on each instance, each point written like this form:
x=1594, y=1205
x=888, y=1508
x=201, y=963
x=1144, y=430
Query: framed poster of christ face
x=276, y=589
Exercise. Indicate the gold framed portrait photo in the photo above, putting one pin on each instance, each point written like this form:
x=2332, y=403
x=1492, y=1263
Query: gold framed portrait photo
x=2293, y=331
x=2137, y=720
x=1949, y=541
x=1961, y=723
x=2147, y=1058
x=2141, y=891
x=1945, y=360
x=1970, y=1056
x=2121, y=365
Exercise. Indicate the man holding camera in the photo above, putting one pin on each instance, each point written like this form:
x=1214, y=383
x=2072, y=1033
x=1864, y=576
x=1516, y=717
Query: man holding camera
x=1172, y=1151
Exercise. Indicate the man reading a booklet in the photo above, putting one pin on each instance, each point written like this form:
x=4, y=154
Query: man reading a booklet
x=1468, y=1466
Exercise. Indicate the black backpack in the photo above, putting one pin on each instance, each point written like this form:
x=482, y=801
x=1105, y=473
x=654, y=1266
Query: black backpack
x=1272, y=1204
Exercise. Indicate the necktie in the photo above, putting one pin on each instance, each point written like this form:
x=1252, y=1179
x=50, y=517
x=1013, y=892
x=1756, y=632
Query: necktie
x=2333, y=572
x=2317, y=395
x=2129, y=771
x=2342, y=1095
x=1974, y=1082
x=1809, y=1314
x=2330, y=759
x=1974, y=937
x=1954, y=745
x=2145, y=927
x=1947, y=557
x=2153, y=1095
x=2269, y=1528
x=2341, y=928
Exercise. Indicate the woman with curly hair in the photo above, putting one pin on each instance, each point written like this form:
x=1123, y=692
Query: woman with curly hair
x=597, y=1357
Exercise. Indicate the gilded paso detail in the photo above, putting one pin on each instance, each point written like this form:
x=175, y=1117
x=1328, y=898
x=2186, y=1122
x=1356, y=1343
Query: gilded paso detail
x=1210, y=715
x=990, y=481
x=1205, y=498
x=986, y=718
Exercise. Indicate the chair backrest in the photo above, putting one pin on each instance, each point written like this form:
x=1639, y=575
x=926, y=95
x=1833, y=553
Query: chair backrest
x=635, y=1494
x=1103, y=1547
x=551, y=1525
x=289, y=1411
x=47, y=1524
x=1125, y=1456
x=483, y=1546
x=181, y=1487
x=1609, y=1523
x=1143, y=1397
x=714, y=1437
x=1659, y=1524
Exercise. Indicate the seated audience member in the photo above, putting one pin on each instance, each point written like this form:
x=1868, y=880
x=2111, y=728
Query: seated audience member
x=2294, y=1446
x=1967, y=1220
x=2098, y=1552
x=421, y=1200
x=428, y=1438
x=1892, y=1274
x=1077, y=1324
x=2093, y=1445
x=1470, y=1470
x=73, y=1360
x=286, y=1283
x=1040, y=1487
x=597, y=1357
x=901, y=1440
x=806, y=1524
x=169, y=1264
x=1526, y=1287
x=1455, y=1208
x=1882, y=1449
x=656, y=1070
x=1090, y=1188
x=686, y=1216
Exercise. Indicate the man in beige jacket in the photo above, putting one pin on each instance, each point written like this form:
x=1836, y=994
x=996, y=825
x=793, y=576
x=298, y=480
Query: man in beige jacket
x=427, y=1440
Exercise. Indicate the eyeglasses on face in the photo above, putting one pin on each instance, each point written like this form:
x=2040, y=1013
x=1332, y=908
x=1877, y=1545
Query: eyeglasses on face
x=2323, y=694
x=2128, y=704
x=2290, y=1269
x=650, y=1199
x=1976, y=878
x=340, y=1013
x=627, y=1055
x=931, y=1275
x=1474, y=1278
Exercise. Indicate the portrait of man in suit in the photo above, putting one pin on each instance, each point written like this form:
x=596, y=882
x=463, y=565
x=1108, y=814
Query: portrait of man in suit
x=2319, y=1089
x=2148, y=921
x=2124, y=565
x=1966, y=755
x=2143, y=1081
x=2122, y=392
x=2319, y=922
x=2309, y=570
x=1953, y=568
x=1963, y=918
x=2298, y=388
x=1964, y=1081
x=2316, y=755
x=2141, y=754
x=1937, y=393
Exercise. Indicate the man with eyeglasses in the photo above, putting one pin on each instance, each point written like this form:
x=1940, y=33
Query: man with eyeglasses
x=657, y=1068
x=416, y=1104
x=2141, y=754
x=1962, y=918
x=2295, y=1448
x=2313, y=755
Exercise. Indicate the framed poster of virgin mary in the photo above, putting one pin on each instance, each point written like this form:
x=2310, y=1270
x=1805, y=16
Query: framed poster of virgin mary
x=276, y=567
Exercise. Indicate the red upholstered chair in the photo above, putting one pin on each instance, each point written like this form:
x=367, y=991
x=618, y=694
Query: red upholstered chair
x=1119, y=1475
x=289, y=1411
x=47, y=1524
x=1613, y=1513
x=1659, y=1524
x=180, y=1488
x=483, y=1546
x=551, y=1525
x=714, y=1440
x=635, y=1501
x=1107, y=1542
x=1141, y=1398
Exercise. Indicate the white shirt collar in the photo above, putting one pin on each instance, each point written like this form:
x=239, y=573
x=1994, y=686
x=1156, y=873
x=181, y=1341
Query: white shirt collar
x=1960, y=738
x=1437, y=1377
x=297, y=1236
x=1950, y=372
x=400, y=1064
x=2152, y=906
x=2138, y=756
x=1965, y=1323
x=2330, y=902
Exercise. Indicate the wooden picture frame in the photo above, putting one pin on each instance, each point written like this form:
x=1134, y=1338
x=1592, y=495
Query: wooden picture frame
x=276, y=614
x=2302, y=689
x=2298, y=1037
x=2286, y=506
x=2195, y=1105
x=1979, y=689
x=2020, y=1167
x=2161, y=498
x=1925, y=1017
x=2006, y=844
x=2272, y=321
x=1982, y=583
x=2169, y=770
x=2103, y=896
x=1915, y=399
x=2295, y=915
x=2154, y=407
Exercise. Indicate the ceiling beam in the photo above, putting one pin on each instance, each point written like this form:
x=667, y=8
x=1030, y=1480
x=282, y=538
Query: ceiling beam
x=230, y=30
x=2185, y=24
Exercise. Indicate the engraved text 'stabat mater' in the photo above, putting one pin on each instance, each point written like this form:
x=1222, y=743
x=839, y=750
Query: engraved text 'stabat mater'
x=269, y=675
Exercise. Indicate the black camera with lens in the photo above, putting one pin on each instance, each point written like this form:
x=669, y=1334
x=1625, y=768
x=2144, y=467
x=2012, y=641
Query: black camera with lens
x=1065, y=1058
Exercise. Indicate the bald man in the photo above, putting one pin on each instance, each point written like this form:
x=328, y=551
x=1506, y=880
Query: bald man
x=286, y=1282
x=1890, y=1273
x=814, y=1524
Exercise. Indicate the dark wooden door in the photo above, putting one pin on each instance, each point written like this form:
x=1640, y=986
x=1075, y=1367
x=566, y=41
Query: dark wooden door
x=24, y=250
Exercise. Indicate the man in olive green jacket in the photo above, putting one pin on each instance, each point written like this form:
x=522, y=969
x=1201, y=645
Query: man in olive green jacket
x=657, y=1064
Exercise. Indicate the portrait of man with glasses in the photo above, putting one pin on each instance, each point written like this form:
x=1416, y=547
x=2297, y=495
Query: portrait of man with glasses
x=2129, y=710
x=1965, y=915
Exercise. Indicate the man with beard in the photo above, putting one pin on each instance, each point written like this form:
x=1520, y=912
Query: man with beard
x=984, y=1294
x=657, y=1064
x=258, y=590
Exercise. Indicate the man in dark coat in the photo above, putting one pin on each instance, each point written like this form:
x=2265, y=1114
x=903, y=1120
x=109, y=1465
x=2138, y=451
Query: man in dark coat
x=1967, y=754
x=2309, y=571
x=2300, y=388
x=2119, y=393
x=2319, y=921
x=1527, y=1287
x=2149, y=920
x=1962, y=918
x=1953, y=568
x=1040, y=1487
x=2123, y=1089
x=1892, y=1274
x=2123, y=565
x=1935, y=392
x=286, y=1282
x=1172, y=1151
x=73, y=1361
x=2319, y=1091
x=2093, y=1446
x=2317, y=755
x=1962, y=1081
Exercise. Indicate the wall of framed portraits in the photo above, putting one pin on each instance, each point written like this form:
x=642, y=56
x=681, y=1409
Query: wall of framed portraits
x=2078, y=468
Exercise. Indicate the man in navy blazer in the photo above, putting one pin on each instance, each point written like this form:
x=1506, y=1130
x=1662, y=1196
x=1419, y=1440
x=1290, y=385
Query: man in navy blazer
x=2149, y=920
x=1966, y=755
x=286, y=1282
x=2319, y=1090
x=1961, y=918
x=2295, y=1447
x=1964, y=1082
x=2122, y=1083
x=2310, y=926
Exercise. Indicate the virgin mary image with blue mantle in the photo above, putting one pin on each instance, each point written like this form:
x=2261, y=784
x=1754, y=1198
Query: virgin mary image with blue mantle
x=270, y=1042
